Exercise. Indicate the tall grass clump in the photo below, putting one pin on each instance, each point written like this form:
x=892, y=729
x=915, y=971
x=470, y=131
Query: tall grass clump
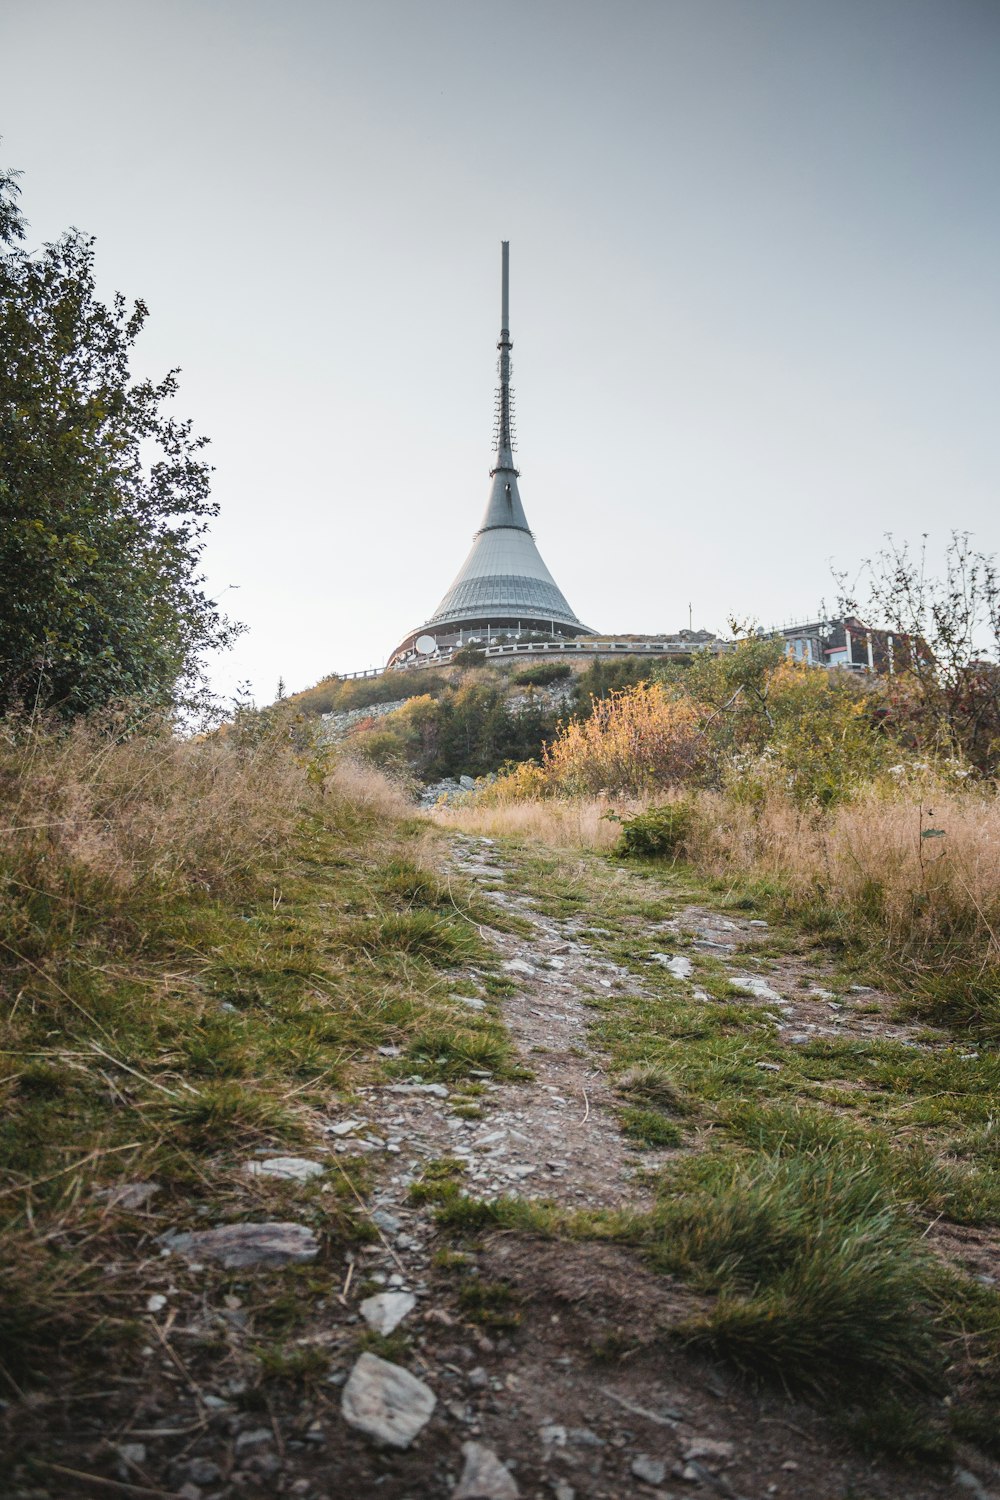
x=821, y=1279
x=907, y=878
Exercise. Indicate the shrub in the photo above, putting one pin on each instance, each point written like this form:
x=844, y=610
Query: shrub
x=633, y=741
x=660, y=831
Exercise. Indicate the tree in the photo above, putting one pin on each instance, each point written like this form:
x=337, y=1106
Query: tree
x=12, y=225
x=946, y=689
x=104, y=499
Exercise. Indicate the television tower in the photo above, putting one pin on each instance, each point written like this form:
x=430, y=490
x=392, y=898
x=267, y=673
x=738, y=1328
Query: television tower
x=503, y=586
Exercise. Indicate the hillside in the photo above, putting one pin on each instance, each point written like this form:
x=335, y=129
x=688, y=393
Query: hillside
x=465, y=720
x=352, y=1151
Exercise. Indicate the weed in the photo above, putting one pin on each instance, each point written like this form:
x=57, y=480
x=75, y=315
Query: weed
x=300, y=1365
x=227, y=1114
x=650, y=1128
x=452, y=1260
x=901, y=1431
x=659, y=831
x=489, y=1303
x=438, y=1182
x=453, y=1051
x=394, y=1347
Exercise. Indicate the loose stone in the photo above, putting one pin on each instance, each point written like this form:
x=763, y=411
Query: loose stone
x=385, y=1220
x=675, y=964
x=484, y=1477
x=256, y=1438
x=438, y=1090
x=386, y=1402
x=649, y=1470
x=386, y=1310
x=752, y=984
x=518, y=966
x=707, y=1448
x=129, y=1194
x=288, y=1168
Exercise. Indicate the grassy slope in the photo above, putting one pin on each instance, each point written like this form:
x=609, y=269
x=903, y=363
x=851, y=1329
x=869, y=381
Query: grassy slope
x=161, y=1031
x=165, y=1016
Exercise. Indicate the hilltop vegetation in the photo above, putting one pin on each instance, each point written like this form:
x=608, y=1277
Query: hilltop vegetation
x=466, y=720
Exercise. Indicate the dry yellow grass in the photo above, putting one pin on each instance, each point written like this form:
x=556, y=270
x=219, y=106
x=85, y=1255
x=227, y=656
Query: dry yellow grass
x=368, y=788
x=573, y=823
x=867, y=860
x=149, y=809
x=927, y=871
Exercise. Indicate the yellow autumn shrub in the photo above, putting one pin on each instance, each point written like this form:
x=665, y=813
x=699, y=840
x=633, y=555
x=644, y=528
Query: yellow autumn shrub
x=634, y=740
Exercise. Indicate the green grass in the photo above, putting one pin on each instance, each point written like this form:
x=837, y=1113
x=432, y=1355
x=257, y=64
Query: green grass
x=488, y=1303
x=453, y=1050
x=822, y=1281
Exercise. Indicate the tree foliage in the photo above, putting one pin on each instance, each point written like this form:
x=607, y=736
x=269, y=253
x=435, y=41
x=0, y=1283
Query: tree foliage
x=471, y=729
x=104, y=498
x=946, y=693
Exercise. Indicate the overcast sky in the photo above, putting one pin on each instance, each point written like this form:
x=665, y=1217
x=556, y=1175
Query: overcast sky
x=754, y=286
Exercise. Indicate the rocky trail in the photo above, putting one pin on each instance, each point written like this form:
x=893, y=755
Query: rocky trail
x=506, y=1365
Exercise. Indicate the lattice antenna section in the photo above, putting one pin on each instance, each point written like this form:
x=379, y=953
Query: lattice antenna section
x=504, y=409
x=504, y=439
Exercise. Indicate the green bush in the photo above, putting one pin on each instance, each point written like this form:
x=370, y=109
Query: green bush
x=660, y=832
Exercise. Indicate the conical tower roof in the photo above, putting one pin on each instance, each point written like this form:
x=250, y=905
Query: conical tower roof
x=503, y=583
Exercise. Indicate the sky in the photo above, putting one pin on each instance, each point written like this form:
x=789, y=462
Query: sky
x=755, y=300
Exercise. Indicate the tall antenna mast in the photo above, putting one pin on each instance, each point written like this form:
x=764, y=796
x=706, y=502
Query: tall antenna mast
x=503, y=583
x=503, y=427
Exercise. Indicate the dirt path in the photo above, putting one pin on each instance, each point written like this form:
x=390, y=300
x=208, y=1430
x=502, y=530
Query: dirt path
x=585, y=1396
x=550, y=1366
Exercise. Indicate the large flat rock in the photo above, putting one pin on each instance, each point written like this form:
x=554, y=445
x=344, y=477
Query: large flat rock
x=237, y=1245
